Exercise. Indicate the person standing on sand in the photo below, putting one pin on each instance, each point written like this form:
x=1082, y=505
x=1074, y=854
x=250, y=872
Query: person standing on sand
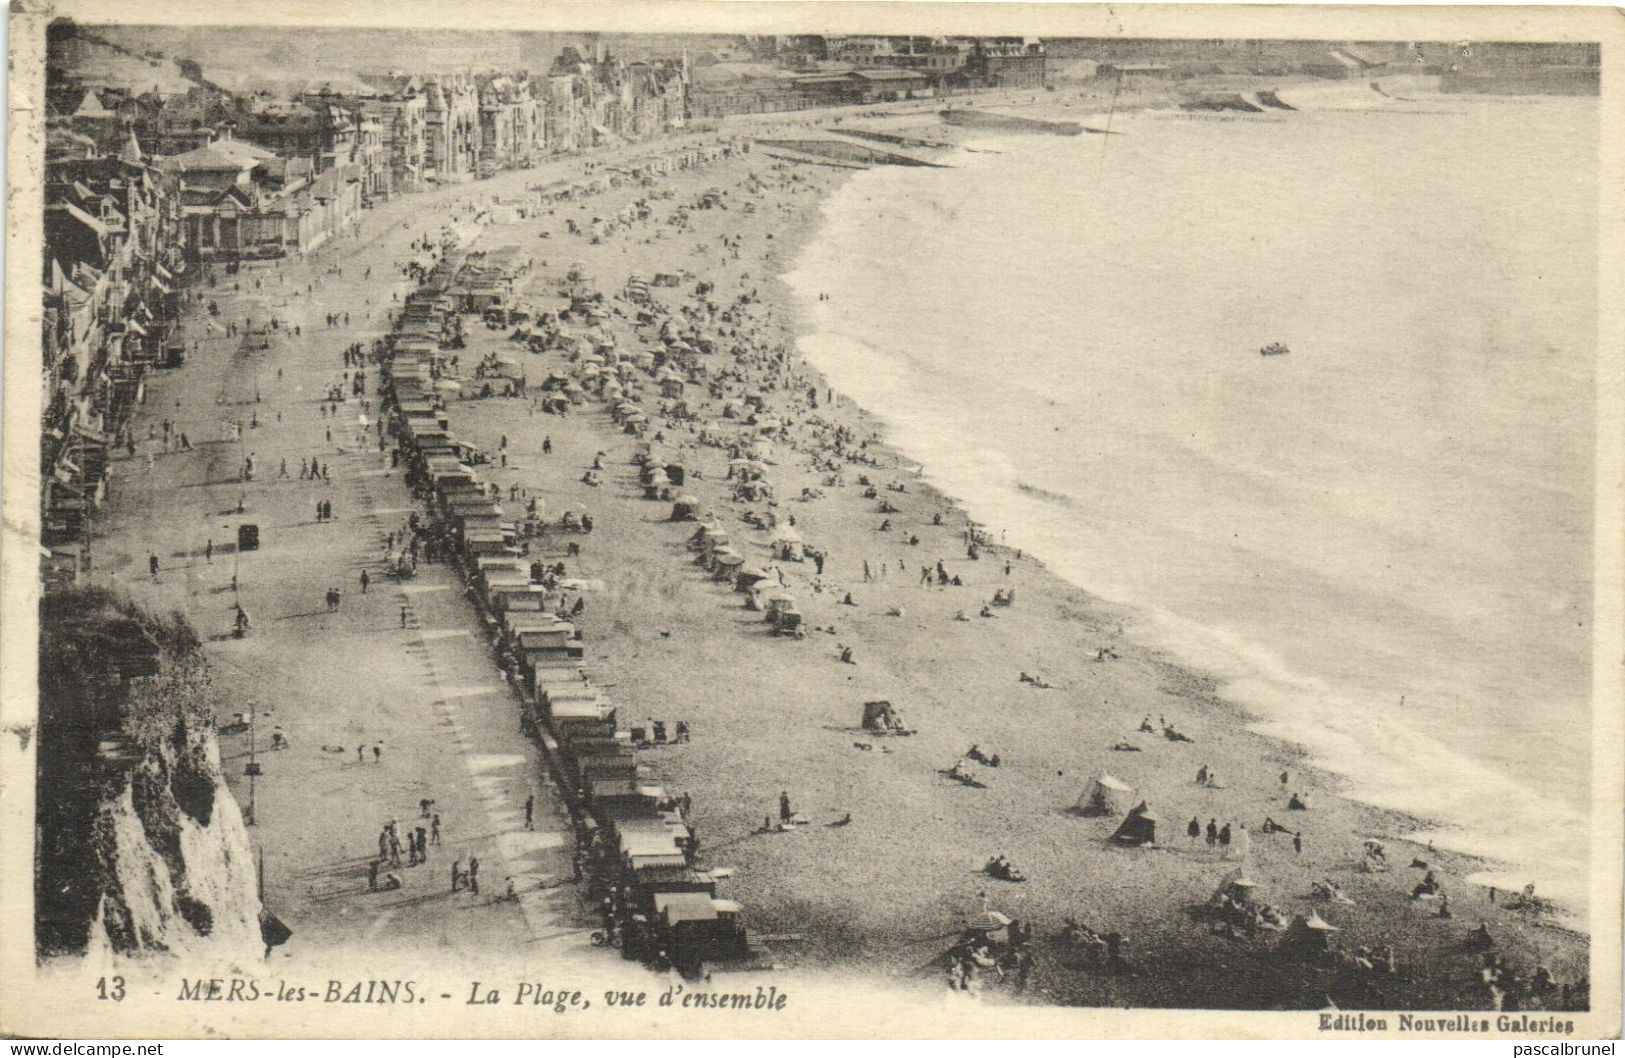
x=784, y=806
x=1297, y=843
x=1212, y=832
x=474, y=875
x=1193, y=830
x=530, y=810
x=372, y=877
x=434, y=829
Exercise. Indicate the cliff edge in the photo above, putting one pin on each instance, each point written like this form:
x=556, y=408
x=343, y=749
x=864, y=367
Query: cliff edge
x=141, y=846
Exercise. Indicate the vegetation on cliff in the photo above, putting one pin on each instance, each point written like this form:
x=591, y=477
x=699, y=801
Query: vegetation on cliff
x=134, y=842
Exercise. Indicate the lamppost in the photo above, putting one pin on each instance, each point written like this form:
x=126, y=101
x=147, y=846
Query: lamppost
x=253, y=770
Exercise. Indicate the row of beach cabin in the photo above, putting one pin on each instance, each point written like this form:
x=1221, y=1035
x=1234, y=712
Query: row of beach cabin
x=637, y=854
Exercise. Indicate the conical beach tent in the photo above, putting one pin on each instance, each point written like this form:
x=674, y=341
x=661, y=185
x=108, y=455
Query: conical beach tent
x=1139, y=827
x=1310, y=934
x=1237, y=886
x=1105, y=796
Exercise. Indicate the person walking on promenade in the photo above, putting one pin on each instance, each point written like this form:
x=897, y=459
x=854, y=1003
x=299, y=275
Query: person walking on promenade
x=377, y=754
x=434, y=829
x=784, y=806
x=474, y=875
x=530, y=810
x=364, y=582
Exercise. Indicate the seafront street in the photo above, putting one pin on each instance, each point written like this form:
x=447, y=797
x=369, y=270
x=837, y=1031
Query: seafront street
x=384, y=701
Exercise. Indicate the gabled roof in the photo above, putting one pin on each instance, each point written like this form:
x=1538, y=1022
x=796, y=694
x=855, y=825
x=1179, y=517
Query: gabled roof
x=221, y=155
x=131, y=151
x=91, y=107
x=82, y=217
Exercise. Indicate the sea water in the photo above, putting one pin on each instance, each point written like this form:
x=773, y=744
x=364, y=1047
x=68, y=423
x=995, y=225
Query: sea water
x=1381, y=542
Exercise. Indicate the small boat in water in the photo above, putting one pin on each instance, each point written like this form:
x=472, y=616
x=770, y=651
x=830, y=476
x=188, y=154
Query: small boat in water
x=1274, y=349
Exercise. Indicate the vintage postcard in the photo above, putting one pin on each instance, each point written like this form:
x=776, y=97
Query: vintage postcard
x=812, y=520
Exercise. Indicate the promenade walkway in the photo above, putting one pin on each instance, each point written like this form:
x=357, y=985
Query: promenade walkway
x=387, y=700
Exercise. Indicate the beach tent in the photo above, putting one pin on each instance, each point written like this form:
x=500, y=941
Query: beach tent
x=1309, y=935
x=1236, y=886
x=877, y=715
x=1139, y=827
x=1105, y=796
x=685, y=509
x=787, y=544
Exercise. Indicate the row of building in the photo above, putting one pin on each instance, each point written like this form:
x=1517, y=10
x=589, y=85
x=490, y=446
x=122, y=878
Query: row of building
x=799, y=73
x=112, y=271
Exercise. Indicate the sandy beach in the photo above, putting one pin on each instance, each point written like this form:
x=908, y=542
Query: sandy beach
x=889, y=864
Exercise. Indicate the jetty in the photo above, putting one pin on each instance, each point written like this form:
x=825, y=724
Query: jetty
x=841, y=152
x=982, y=119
